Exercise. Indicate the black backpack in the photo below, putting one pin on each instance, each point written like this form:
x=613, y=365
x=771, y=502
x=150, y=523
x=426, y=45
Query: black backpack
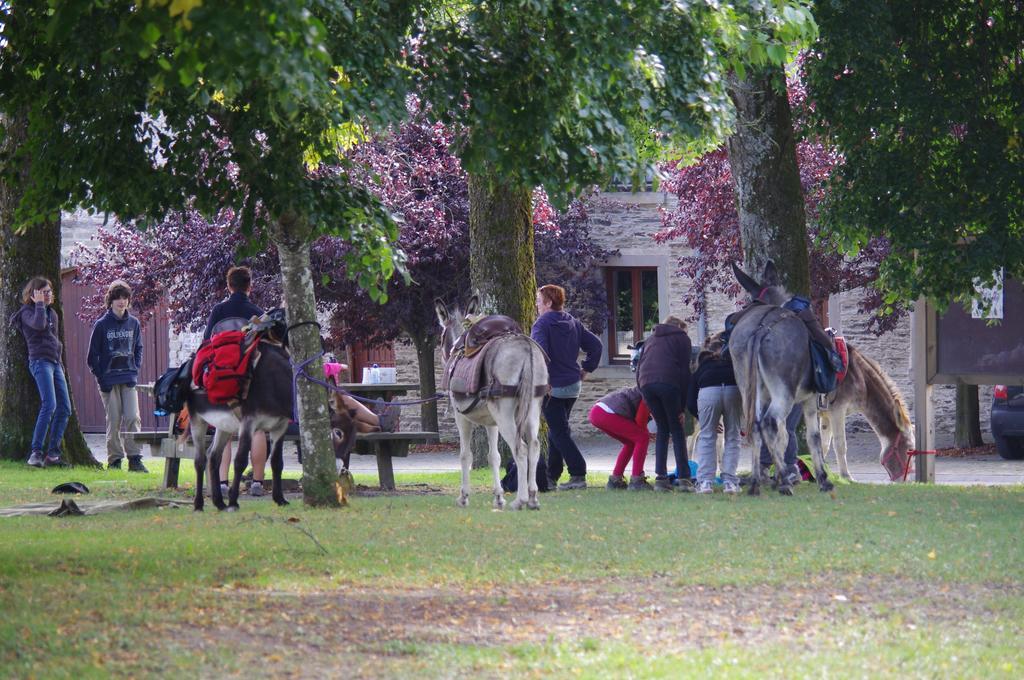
x=171, y=388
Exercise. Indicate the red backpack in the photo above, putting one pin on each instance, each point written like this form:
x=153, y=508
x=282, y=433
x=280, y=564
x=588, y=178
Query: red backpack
x=221, y=367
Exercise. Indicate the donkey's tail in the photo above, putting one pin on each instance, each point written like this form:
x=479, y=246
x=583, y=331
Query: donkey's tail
x=751, y=389
x=524, y=393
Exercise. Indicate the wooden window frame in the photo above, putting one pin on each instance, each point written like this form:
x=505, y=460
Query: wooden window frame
x=636, y=273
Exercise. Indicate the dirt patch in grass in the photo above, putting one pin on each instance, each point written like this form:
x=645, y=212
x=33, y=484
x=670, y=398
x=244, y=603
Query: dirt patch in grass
x=652, y=614
x=400, y=490
x=434, y=448
x=952, y=452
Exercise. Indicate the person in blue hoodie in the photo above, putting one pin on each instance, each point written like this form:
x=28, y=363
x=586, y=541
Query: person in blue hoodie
x=562, y=337
x=38, y=323
x=115, y=355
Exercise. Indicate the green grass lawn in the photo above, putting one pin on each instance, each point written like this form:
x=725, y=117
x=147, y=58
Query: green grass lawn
x=880, y=581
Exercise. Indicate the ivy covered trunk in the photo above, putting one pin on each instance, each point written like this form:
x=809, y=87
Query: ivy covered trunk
x=762, y=157
x=968, y=417
x=501, y=261
x=425, y=347
x=23, y=256
x=319, y=475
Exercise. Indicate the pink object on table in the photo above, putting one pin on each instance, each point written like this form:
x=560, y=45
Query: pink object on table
x=333, y=370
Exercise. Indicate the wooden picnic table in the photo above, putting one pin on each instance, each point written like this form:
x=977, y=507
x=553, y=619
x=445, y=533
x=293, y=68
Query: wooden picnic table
x=383, y=445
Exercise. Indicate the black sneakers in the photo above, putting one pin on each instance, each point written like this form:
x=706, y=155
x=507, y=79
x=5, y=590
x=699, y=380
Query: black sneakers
x=135, y=464
x=616, y=482
x=54, y=460
x=575, y=482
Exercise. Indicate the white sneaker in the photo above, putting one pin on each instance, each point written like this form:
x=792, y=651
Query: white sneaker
x=730, y=487
x=256, y=489
x=704, y=486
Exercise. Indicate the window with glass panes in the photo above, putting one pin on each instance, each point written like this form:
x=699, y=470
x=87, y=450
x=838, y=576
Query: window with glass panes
x=633, y=300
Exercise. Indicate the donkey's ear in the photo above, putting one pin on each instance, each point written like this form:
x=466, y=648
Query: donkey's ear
x=771, y=274
x=749, y=284
x=473, y=305
x=441, y=310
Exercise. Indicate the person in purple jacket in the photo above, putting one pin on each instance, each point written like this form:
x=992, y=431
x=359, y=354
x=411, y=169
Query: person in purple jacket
x=38, y=323
x=562, y=337
x=663, y=376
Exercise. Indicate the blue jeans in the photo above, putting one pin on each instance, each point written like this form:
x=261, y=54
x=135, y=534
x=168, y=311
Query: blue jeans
x=792, y=420
x=55, y=406
x=561, y=446
x=665, y=402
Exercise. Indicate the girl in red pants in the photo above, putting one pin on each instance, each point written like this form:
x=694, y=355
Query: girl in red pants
x=623, y=415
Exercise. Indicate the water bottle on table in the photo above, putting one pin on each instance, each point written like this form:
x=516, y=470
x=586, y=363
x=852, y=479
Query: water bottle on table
x=375, y=374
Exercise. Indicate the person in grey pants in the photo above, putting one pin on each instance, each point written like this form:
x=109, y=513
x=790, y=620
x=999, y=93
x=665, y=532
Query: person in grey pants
x=115, y=356
x=715, y=400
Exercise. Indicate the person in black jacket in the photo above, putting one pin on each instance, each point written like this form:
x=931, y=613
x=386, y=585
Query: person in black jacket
x=714, y=398
x=115, y=355
x=231, y=315
x=38, y=323
x=663, y=376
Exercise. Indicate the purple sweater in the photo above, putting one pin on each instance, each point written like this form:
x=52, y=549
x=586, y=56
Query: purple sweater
x=38, y=323
x=562, y=337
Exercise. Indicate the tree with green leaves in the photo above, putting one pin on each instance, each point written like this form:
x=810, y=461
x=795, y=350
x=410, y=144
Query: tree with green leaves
x=240, y=104
x=925, y=103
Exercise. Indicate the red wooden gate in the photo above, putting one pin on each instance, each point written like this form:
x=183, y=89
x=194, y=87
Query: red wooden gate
x=155, y=354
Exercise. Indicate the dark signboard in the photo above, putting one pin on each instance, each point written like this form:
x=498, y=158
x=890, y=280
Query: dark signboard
x=972, y=351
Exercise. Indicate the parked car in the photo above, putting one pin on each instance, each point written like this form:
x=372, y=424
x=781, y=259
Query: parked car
x=1008, y=420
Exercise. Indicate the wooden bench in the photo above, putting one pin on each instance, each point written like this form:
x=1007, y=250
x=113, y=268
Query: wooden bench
x=383, y=445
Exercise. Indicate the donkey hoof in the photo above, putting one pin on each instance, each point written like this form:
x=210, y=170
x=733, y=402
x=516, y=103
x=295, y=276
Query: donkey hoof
x=232, y=508
x=499, y=503
x=462, y=501
x=515, y=505
x=785, y=490
x=826, y=486
x=533, y=504
x=281, y=503
x=754, y=490
x=198, y=508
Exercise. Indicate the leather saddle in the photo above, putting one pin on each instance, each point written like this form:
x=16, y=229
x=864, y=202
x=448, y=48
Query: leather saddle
x=483, y=331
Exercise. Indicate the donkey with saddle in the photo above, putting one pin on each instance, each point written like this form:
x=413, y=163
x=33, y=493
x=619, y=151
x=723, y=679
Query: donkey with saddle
x=240, y=382
x=772, y=348
x=497, y=378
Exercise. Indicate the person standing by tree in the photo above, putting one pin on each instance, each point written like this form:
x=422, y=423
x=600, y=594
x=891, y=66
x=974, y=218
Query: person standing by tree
x=38, y=323
x=663, y=376
x=231, y=315
x=562, y=337
x=115, y=355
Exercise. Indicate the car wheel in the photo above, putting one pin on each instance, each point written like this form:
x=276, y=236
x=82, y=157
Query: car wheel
x=1010, y=448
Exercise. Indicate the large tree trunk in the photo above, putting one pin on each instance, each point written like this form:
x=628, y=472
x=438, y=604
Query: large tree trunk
x=762, y=157
x=320, y=484
x=22, y=256
x=501, y=261
x=425, y=346
x=968, y=417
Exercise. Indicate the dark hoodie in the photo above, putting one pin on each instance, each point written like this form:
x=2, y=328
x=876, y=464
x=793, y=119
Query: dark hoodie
x=38, y=323
x=666, y=358
x=562, y=337
x=115, y=350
